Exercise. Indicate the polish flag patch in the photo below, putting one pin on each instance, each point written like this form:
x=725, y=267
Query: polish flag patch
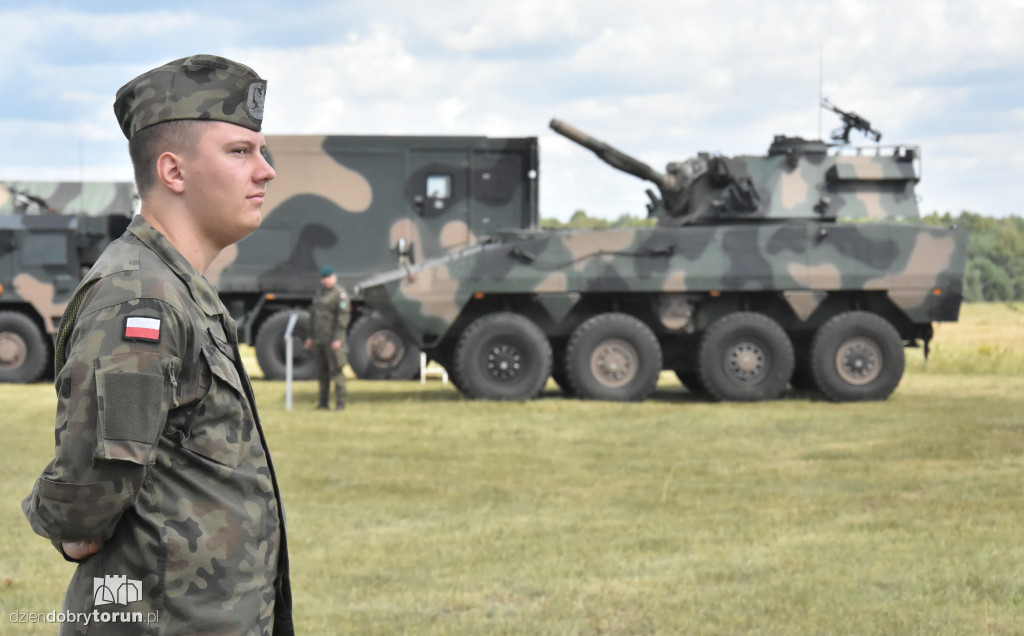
x=139, y=328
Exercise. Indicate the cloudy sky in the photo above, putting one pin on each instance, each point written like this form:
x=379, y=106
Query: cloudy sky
x=662, y=79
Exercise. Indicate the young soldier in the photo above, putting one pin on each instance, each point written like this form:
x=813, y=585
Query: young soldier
x=328, y=318
x=162, y=481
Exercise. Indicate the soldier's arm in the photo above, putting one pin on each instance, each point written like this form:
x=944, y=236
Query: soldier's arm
x=114, y=393
x=344, y=315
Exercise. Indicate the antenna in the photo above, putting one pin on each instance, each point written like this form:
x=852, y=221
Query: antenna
x=820, y=74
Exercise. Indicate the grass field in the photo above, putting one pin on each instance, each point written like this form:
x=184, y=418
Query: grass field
x=418, y=512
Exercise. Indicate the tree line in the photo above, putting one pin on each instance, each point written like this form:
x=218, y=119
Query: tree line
x=995, y=256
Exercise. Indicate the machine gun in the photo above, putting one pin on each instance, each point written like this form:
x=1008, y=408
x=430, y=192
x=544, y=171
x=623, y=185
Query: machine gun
x=21, y=200
x=851, y=120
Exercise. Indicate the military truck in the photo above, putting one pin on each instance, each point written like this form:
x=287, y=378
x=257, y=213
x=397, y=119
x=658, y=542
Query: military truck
x=799, y=266
x=363, y=204
x=366, y=204
x=50, y=235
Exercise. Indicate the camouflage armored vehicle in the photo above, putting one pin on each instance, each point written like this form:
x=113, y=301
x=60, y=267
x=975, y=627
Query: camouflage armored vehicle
x=50, y=235
x=753, y=278
x=363, y=204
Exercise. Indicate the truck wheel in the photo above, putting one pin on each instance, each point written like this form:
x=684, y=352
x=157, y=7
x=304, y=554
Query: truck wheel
x=613, y=356
x=377, y=351
x=502, y=356
x=857, y=356
x=745, y=356
x=270, y=347
x=23, y=352
x=559, y=373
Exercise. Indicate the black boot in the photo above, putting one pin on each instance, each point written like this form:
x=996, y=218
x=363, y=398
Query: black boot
x=325, y=391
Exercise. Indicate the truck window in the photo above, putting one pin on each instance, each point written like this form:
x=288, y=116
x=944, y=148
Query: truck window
x=439, y=186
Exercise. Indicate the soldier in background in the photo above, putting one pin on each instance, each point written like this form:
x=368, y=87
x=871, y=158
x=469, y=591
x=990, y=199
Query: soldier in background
x=162, y=480
x=328, y=318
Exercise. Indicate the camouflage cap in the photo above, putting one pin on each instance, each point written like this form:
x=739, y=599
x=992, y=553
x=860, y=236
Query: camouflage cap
x=204, y=87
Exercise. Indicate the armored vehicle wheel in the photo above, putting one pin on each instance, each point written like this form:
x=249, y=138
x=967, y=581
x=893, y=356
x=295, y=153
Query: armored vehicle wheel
x=270, y=347
x=745, y=356
x=613, y=356
x=691, y=380
x=857, y=356
x=502, y=356
x=559, y=373
x=377, y=351
x=23, y=353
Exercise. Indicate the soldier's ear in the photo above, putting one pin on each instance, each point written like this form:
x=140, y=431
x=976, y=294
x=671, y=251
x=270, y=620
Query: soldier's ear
x=169, y=172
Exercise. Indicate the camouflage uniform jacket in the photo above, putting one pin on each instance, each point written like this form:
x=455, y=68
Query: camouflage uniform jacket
x=329, y=315
x=160, y=453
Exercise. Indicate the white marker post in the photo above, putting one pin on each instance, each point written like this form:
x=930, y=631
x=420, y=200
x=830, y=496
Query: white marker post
x=288, y=345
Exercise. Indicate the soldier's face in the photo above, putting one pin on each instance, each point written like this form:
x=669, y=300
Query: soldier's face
x=329, y=281
x=226, y=182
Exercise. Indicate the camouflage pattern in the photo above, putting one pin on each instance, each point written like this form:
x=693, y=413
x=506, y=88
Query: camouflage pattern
x=206, y=87
x=91, y=198
x=736, y=235
x=42, y=258
x=798, y=179
x=329, y=316
x=364, y=203
x=367, y=204
x=160, y=454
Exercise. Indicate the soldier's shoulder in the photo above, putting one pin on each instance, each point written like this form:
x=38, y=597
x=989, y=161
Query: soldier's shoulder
x=129, y=271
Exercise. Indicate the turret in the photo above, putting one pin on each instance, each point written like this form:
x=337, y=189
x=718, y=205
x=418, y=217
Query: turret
x=797, y=179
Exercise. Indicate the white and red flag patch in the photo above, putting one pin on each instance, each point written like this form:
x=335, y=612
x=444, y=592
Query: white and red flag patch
x=140, y=328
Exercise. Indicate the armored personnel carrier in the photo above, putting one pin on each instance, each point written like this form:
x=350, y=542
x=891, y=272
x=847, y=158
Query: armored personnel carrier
x=802, y=266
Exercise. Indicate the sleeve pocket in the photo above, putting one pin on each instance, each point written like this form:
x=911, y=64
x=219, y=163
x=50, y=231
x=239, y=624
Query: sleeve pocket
x=132, y=394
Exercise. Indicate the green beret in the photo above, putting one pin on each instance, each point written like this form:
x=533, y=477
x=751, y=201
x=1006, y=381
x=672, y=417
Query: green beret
x=205, y=87
x=326, y=271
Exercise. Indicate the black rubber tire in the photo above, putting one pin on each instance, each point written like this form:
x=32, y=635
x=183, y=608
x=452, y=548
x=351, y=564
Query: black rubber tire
x=270, y=347
x=801, y=379
x=379, y=351
x=613, y=356
x=23, y=351
x=559, y=373
x=691, y=380
x=502, y=356
x=745, y=357
x=857, y=356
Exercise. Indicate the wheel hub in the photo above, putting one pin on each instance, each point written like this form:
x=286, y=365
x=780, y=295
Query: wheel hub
x=859, y=361
x=746, y=362
x=384, y=349
x=504, y=361
x=13, y=350
x=614, y=363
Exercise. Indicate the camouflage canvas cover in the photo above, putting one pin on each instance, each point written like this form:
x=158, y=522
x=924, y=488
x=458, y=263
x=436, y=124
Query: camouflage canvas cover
x=92, y=198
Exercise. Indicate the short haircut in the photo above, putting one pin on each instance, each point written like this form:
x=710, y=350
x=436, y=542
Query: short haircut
x=180, y=136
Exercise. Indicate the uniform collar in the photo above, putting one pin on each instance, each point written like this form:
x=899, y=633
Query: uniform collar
x=203, y=292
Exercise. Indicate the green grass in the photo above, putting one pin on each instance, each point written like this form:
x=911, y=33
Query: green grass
x=418, y=512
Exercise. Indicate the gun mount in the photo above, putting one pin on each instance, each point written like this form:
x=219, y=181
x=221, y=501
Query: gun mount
x=851, y=120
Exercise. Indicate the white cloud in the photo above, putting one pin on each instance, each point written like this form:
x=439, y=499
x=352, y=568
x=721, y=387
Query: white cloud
x=659, y=79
